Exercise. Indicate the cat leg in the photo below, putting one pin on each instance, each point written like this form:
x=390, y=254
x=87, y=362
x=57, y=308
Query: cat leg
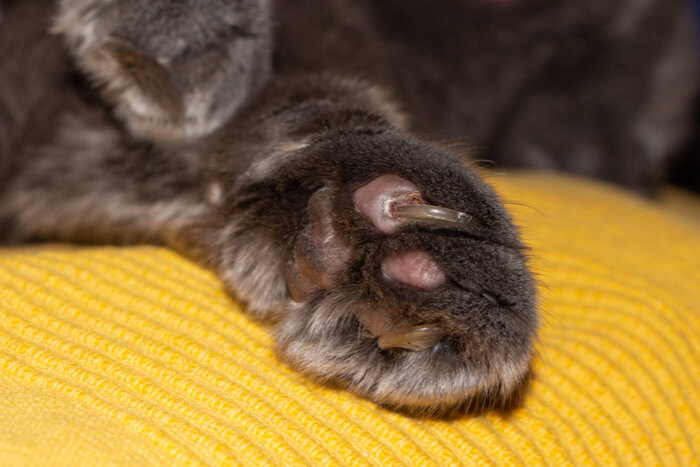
x=387, y=265
x=384, y=263
x=173, y=71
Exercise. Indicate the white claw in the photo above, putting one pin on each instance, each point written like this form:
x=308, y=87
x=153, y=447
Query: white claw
x=411, y=338
x=433, y=215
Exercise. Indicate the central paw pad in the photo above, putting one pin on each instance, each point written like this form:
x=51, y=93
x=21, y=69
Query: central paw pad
x=414, y=268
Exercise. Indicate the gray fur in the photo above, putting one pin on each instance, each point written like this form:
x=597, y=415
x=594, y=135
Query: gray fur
x=208, y=126
x=167, y=65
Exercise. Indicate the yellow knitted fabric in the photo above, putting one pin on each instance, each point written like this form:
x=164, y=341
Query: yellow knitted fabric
x=134, y=356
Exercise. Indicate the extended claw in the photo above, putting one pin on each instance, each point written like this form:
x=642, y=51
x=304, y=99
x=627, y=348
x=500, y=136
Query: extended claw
x=411, y=338
x=433, y=215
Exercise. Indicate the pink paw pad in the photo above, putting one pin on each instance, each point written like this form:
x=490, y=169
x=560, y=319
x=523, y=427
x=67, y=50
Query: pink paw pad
x=414, y=268
x=374, y=200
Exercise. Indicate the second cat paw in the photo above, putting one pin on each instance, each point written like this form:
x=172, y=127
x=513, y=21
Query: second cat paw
x=168, y=79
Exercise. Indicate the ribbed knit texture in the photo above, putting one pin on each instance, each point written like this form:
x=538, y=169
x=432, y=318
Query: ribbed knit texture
x=134, y=356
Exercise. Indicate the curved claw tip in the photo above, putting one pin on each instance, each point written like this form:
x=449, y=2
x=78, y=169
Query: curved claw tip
x=411, y=338
x=433, y=215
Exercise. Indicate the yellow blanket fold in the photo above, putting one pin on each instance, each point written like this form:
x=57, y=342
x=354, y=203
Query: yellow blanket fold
x=134, y=356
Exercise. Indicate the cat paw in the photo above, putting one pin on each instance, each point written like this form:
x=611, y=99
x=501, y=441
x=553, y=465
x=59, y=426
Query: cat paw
x=167, y=78
x=409, y=286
